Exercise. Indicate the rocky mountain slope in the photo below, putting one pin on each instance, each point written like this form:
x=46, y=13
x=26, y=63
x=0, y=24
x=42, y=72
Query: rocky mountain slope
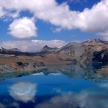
x=94, y=50
x=11, y=63
x=73, y=49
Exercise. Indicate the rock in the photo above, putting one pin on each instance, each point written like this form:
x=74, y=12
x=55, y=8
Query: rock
x=101, y=56
x=6, y=69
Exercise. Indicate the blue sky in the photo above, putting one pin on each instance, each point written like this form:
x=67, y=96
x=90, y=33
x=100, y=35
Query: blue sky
x=58, y=21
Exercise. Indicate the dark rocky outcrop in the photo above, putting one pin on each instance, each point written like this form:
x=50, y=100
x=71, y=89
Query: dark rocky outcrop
x=101, y=56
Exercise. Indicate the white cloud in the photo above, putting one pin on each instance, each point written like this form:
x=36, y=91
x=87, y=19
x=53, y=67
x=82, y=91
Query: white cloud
x=32, y=45
x=23, y=91
x=93, y=20
x=23, y=28
x=10, y=15
x=13, y=14
x=59, y=15
x=51, y=11
x=57, y=30
x=2, y=12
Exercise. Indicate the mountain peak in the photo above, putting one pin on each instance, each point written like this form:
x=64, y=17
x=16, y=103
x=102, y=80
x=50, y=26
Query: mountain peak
x=93, y=42
x=46, y=47
x=97, y=40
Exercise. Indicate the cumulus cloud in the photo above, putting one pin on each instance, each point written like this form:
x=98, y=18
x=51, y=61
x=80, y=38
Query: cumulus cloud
x=32, y=45
x=59, y=15
x=92, y=20
x=23, y=91
x=23, y=28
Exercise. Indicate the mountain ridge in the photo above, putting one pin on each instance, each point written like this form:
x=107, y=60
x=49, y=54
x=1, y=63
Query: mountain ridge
x=95, y=50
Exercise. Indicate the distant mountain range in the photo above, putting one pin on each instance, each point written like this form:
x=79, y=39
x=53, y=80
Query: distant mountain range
x=9, y=50
x=94, y=50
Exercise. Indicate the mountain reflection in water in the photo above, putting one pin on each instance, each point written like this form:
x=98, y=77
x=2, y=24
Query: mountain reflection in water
x=94, y=72
x=57, y=86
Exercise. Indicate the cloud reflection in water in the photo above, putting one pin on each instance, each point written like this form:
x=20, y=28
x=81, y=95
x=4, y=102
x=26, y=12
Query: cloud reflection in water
x=23, y=91
x=89, y=98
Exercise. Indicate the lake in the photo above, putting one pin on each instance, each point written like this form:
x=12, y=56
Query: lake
x=58, y=86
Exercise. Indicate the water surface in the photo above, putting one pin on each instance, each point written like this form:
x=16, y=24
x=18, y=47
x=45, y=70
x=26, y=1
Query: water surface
x=58, y=86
